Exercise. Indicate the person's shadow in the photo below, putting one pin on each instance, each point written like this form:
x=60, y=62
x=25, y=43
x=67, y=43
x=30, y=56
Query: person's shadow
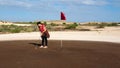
x=35, y=44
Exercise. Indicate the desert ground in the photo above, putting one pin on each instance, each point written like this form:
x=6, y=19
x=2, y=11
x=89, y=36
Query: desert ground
x=105, y=36
x=79, y=49
x=73, y=54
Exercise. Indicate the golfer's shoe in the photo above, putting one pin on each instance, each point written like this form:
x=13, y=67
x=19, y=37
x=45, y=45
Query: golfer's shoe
x=41, y=47
x=45, y=47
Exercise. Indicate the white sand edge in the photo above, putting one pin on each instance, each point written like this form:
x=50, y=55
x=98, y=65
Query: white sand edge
x=105, y=36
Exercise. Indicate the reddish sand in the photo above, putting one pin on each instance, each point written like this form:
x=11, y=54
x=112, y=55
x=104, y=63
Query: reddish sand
x=74, y=54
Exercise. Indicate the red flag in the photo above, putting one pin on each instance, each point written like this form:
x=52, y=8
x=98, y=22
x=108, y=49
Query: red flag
x=63, y=16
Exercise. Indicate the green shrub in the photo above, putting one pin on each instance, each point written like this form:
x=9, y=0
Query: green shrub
x=101, y=25
x=64, y=23
x=71, y=26
x=53, y=24
x=16, y=30
x=4, y=28
x=113, y=24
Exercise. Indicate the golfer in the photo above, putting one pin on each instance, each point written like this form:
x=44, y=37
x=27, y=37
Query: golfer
x=44, y=35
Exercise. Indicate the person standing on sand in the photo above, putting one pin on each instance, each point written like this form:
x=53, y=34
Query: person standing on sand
x=44, y=35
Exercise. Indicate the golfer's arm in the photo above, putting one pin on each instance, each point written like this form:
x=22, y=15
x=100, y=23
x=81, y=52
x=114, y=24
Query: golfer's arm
x=43, y=31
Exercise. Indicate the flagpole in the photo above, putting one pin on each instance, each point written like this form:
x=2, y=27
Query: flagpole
x=62, y=18
x=61, y=43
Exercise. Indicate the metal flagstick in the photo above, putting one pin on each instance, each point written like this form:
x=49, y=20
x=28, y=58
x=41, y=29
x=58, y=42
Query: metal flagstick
x=61, y=41
x=62, y=18
x=61, y=44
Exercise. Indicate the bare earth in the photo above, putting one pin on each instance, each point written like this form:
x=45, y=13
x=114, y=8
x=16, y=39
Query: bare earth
x=73, y=54
x=106, y=36
x=81, y=49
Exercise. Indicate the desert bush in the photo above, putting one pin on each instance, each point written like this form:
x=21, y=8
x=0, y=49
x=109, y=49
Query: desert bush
x=64, y=23
x=14, y=29
x=113, y=24
x=71, y=26
x=17, y=29
x=53, y=24
x=4, y=28
x=101, y=25
x=84, y=30
x=91, y=24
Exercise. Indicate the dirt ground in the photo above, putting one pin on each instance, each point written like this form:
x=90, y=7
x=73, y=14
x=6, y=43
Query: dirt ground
x=73, y=54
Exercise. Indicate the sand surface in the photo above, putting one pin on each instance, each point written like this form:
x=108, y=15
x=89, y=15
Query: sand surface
x=73, y=54
x=107, y=36
x=80, y=49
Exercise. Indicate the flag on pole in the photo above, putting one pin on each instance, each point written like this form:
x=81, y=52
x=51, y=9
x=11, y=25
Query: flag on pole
x=63, y=16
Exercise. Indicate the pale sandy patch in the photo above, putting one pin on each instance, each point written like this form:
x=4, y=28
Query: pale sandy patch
x=107, y=36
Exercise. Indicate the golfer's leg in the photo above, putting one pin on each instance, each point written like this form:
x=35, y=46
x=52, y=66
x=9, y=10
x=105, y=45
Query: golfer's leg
x=46, y=41
x=42, y=40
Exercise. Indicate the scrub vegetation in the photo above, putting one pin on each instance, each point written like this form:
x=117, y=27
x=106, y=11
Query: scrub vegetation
x=54, y=27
